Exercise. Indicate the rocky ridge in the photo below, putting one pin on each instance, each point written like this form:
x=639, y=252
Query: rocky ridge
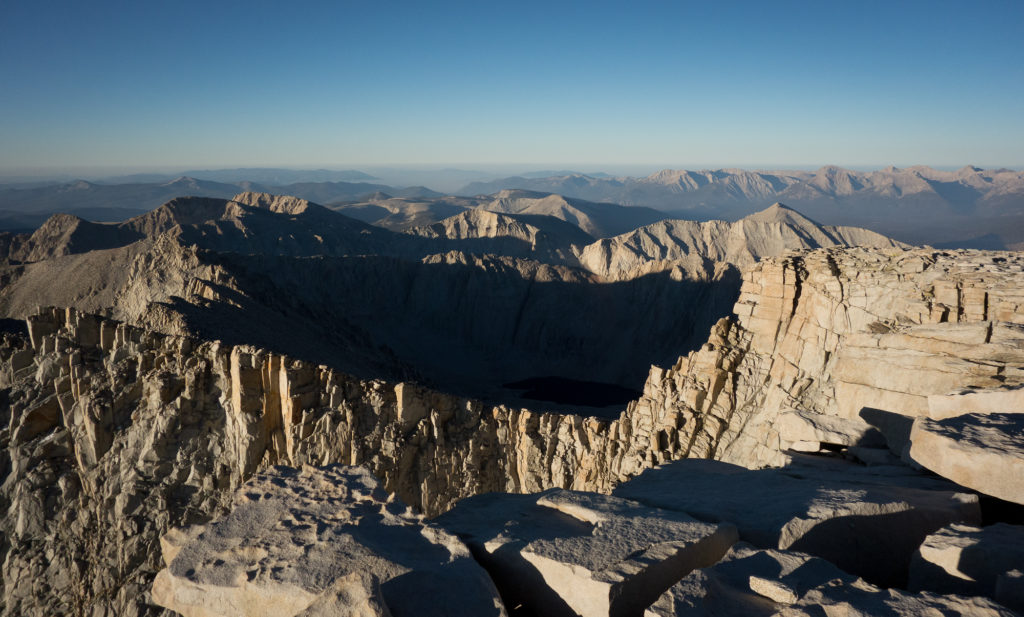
x=115, y=434
x=767, y=233
x=466, y=305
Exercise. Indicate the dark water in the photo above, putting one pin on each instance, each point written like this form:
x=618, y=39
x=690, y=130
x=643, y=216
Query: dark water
x=566, y=391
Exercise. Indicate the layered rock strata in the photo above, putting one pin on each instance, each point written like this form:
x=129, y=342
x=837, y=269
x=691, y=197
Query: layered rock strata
x=838, y=333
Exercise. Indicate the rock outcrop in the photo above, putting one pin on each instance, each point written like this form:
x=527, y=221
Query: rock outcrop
x=984, y=452
x=864, y=523
x=838, y=332
x=967, y=560
x=305, y=542
x=566, y=554
x=763, y=583
x=297, y=539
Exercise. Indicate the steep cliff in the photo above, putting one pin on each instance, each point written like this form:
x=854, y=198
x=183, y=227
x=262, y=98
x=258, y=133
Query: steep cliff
x=838, y=331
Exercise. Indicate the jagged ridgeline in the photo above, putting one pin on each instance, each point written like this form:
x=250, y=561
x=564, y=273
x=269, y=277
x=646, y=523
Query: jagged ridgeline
x=484, y=298
x=113, y=433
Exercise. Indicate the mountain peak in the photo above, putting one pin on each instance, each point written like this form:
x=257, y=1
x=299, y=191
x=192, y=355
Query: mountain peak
x=779, y=213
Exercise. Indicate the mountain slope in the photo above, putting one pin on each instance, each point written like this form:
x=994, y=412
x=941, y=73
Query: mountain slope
x=692, y=245
x=600, y=220
x=544, y=238
x=468, y=304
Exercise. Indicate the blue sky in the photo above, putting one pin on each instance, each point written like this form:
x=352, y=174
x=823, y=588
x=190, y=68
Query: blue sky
x=339, y=84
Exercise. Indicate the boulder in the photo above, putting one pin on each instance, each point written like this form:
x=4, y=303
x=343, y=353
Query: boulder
x=563, y=553
x=984, y=452
x=1001, y=399
x=320, y=541
x=895, y=428
x=760, y=583
x=967, y=560
x=867, y=523
x=809, y=426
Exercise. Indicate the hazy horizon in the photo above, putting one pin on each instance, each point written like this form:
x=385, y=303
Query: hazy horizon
x=58, y=174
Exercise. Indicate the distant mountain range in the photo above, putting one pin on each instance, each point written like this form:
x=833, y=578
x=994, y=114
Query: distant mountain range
x=27, y=208
x=600, y=220
x=271, y=176
x=967, y=207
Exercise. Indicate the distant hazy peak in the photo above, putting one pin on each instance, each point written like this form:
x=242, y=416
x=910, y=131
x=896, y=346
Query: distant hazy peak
x=281, y=204
x=520, y=194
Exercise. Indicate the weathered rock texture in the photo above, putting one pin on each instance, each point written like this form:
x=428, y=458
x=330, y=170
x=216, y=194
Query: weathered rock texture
x=111, y=434
x=763, y=583
x=326, y=537
x=867, y=524
x=835, y=332
x=568, y=554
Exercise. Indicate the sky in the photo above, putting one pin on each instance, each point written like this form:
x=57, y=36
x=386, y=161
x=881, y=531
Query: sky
x=160, y=85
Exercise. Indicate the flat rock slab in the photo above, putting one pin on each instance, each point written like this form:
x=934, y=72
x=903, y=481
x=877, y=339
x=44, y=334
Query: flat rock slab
x=869, y=524
x=984, y=452
x=1002, y=399
x=761, y=583
x=564, y=553
x=967, y=560
x=321, y=541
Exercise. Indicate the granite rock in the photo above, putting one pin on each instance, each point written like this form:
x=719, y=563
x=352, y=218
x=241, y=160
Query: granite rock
x=563, y=553
x=867, y=527
x=984, y=452
x=318, y=539
x=967, y=560
x=763, y=583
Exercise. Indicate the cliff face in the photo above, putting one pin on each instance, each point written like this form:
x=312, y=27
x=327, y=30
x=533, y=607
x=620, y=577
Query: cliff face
x=113, y=434
x=835, y=331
